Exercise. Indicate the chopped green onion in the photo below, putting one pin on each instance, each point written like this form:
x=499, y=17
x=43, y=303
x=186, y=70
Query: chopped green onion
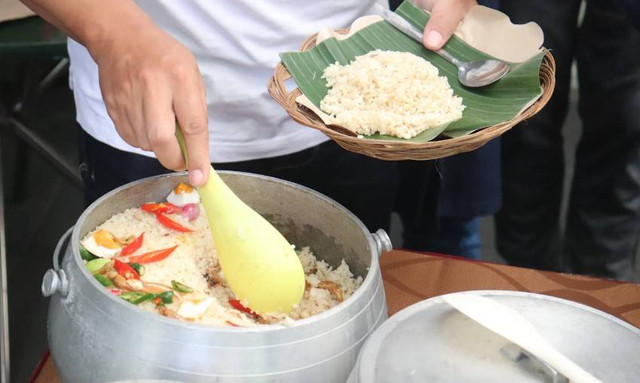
x=167, y=297
x=131, y=295
x=177, y=286
x=95, y=265
x=86, y=255
x=136, y=297
x=104, y=281
x=146, y=297
x=138, y=267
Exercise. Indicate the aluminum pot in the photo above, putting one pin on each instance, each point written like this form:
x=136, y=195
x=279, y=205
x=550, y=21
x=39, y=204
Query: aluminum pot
x=430, y=341
x=97, y=337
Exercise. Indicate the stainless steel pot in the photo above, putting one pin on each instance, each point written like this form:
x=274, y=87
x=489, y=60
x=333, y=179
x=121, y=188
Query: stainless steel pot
x=97, y=337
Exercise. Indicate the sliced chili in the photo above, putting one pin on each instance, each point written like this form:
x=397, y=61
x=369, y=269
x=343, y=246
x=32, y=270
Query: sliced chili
x=232, y=324
x=133, y=246
x=138, y=267
x=239, y=306
x=171, y=224
x=125, y=270
x=163, y=207
x=152, y=256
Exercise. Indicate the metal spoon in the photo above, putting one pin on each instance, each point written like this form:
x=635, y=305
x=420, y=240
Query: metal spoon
x=477, y=73
x=471, y=74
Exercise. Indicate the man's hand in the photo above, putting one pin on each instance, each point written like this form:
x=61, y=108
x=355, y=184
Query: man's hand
x=148, y=80
x=445, y=17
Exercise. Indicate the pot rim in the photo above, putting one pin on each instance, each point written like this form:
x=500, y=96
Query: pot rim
x=367, y=281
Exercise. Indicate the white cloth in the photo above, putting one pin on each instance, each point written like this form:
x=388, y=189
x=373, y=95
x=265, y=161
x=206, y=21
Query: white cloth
x=237, y=45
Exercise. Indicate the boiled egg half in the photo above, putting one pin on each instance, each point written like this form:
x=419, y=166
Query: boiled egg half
x=102, y=244
x=183, y=194
x=194, y=307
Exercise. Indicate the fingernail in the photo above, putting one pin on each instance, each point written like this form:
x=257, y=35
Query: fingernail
x=434, y=38
x=196, y=178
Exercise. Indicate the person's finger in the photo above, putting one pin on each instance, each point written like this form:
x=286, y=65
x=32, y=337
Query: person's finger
x=161, y=126
x=137, y=115
x=123, y=128
x=190, y=107
x=121, y=123
x=135, y=126
x=445, y=17
x=113, y=110
x=159, y=122
x=124, y=105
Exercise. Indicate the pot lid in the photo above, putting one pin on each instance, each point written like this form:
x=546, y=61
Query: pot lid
x=431, y=341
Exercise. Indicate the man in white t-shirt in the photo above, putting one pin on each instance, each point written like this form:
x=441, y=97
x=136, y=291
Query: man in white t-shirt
x=138, y=66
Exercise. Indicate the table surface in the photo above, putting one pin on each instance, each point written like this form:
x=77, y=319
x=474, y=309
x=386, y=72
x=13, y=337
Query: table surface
x=411, y=277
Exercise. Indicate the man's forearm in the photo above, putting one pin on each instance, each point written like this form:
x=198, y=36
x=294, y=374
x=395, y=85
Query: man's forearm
x=91, y=22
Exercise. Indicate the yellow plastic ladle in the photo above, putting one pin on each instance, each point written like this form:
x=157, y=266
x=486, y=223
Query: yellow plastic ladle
x=259, y=264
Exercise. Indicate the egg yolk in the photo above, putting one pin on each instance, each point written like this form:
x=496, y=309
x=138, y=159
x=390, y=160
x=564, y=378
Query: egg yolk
x=105, y=239
x=182, y=188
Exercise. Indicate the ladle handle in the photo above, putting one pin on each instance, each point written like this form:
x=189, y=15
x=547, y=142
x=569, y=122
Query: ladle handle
x=183, y=145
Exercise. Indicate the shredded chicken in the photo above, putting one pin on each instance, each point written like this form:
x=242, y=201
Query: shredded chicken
x=121, y=282
x=213, y=276
x=333, y=288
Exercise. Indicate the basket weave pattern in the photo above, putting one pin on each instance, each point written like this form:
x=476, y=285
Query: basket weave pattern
x=403, y=150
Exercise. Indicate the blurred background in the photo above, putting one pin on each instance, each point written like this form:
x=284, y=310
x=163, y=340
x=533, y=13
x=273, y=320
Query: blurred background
x=41, y=189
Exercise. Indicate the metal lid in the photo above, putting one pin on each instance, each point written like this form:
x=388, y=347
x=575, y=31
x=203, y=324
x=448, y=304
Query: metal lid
x=431, y=341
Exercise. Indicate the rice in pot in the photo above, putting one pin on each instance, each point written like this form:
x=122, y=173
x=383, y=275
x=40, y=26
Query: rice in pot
x=193, y=264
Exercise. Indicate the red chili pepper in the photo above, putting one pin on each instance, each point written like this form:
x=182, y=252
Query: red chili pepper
x=171, y=224
x=232, y=324
x=115, y=291
x=163, y=207
x=133, y=246
x=125, y=270
x=239, y=306
x=152, y=256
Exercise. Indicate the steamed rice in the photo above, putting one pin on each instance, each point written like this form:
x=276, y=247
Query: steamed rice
x=194, y=263
x=392, y=93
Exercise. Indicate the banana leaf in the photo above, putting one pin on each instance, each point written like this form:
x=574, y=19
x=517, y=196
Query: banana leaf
x=487, y=106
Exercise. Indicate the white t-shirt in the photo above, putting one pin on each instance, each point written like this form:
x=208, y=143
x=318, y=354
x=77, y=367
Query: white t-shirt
x=237, y=45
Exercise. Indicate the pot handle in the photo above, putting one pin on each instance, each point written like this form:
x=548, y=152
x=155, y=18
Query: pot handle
x=382, y=240
x=55, y=280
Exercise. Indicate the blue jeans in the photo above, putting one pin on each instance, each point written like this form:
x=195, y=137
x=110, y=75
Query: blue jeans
x=602, y=233
x=457, y=236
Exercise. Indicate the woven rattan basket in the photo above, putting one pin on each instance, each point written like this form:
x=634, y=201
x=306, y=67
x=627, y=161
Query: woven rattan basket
x=401, y=150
